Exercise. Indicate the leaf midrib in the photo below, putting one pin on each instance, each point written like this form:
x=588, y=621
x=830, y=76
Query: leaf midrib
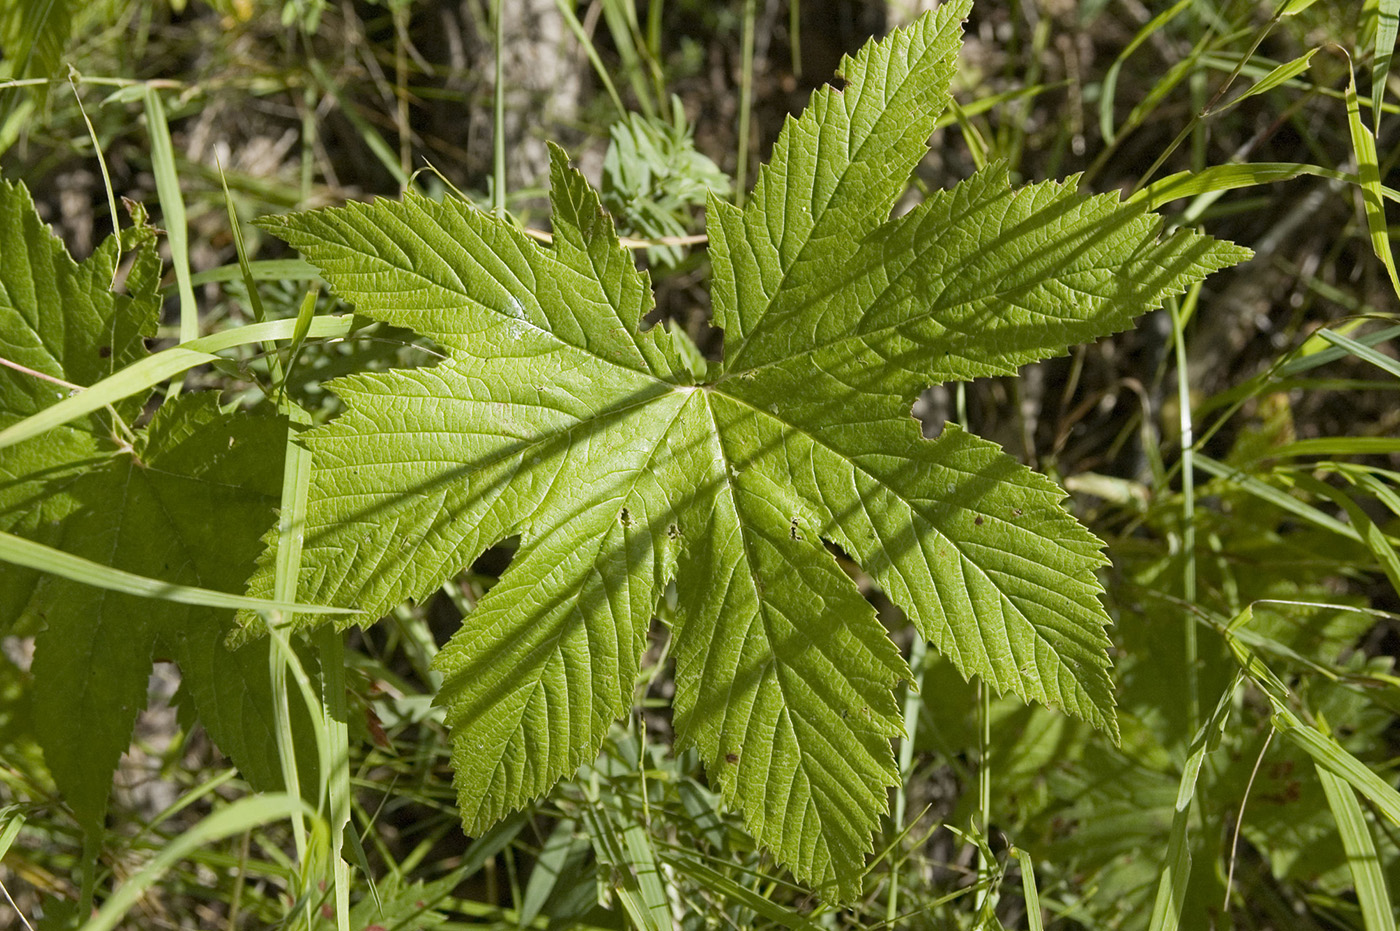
x=530, y=250
x=553, y=641
x=964, y=559
x=770, y=668
x=862, y=336
x=835, y=95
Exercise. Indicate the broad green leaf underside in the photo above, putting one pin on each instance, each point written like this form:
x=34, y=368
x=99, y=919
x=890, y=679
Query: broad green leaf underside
x=557, y=419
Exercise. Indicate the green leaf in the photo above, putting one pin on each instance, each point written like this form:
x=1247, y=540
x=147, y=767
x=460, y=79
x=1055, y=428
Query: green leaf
x=1365, y=863
x=196, y=471
x=557, y=420
x=60, y=328
x=143, y=502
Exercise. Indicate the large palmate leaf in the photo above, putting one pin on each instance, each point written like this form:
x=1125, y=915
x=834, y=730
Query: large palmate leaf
x=556, y=418
x=146, y=501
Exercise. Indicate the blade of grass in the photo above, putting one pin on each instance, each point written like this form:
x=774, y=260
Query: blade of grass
x=644, y=866
x=1276, y=496
x=621, y=17
x=986, y=864
x=11, y=820
x=1363, y=351
x=27, y=553
x=1387, y=26
x=1110, y=81
x=1330, y=755
x=1332, y=353
x=383, y=152
x=203, y=790
x=992, y=101
x=330, y=644
x=1181, y=312
x=1367, y=168
x=296, y=480
x=1028, y=889
x=630, y=860
x=140, y=376
x=304, y=317
x=1338, y=446
x=156, y=368
x=1361, y=854
x=724, y=887
x=913, y=706
x=283, y=662
x=262, y=270
x=1373, y=480
x=654, y=19
x=254, y=298
x=571, y=20
x=1375, y=538
x=549, y=865
x=1220, y=178
x=1279, y=74
x=238, y=817
x=745, y=104
x=976, y=145
x=1176, y=870
x=172, y=208
x=35, y=46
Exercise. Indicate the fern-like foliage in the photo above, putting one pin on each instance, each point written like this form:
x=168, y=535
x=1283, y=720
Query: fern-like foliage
x=558, y=419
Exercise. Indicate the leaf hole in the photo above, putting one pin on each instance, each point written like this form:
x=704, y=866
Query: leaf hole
x=836, y=550
x=625, y=517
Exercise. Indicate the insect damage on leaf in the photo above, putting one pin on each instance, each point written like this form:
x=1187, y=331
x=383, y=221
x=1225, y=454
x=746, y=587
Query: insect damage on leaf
x=557, y=418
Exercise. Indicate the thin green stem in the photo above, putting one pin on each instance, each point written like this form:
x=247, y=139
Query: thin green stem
x=92, y=846
x=745, y=102
x=795, y=35
x=1180, y=314
x=654, y=11
x=106, y=176
x=172, y=206
x=571, y=20
x=286, y=751
x=984, y=792
x=1190, y=128
x=400, y=13
x=331, y=646
x=498, y=120
x=913, y=704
